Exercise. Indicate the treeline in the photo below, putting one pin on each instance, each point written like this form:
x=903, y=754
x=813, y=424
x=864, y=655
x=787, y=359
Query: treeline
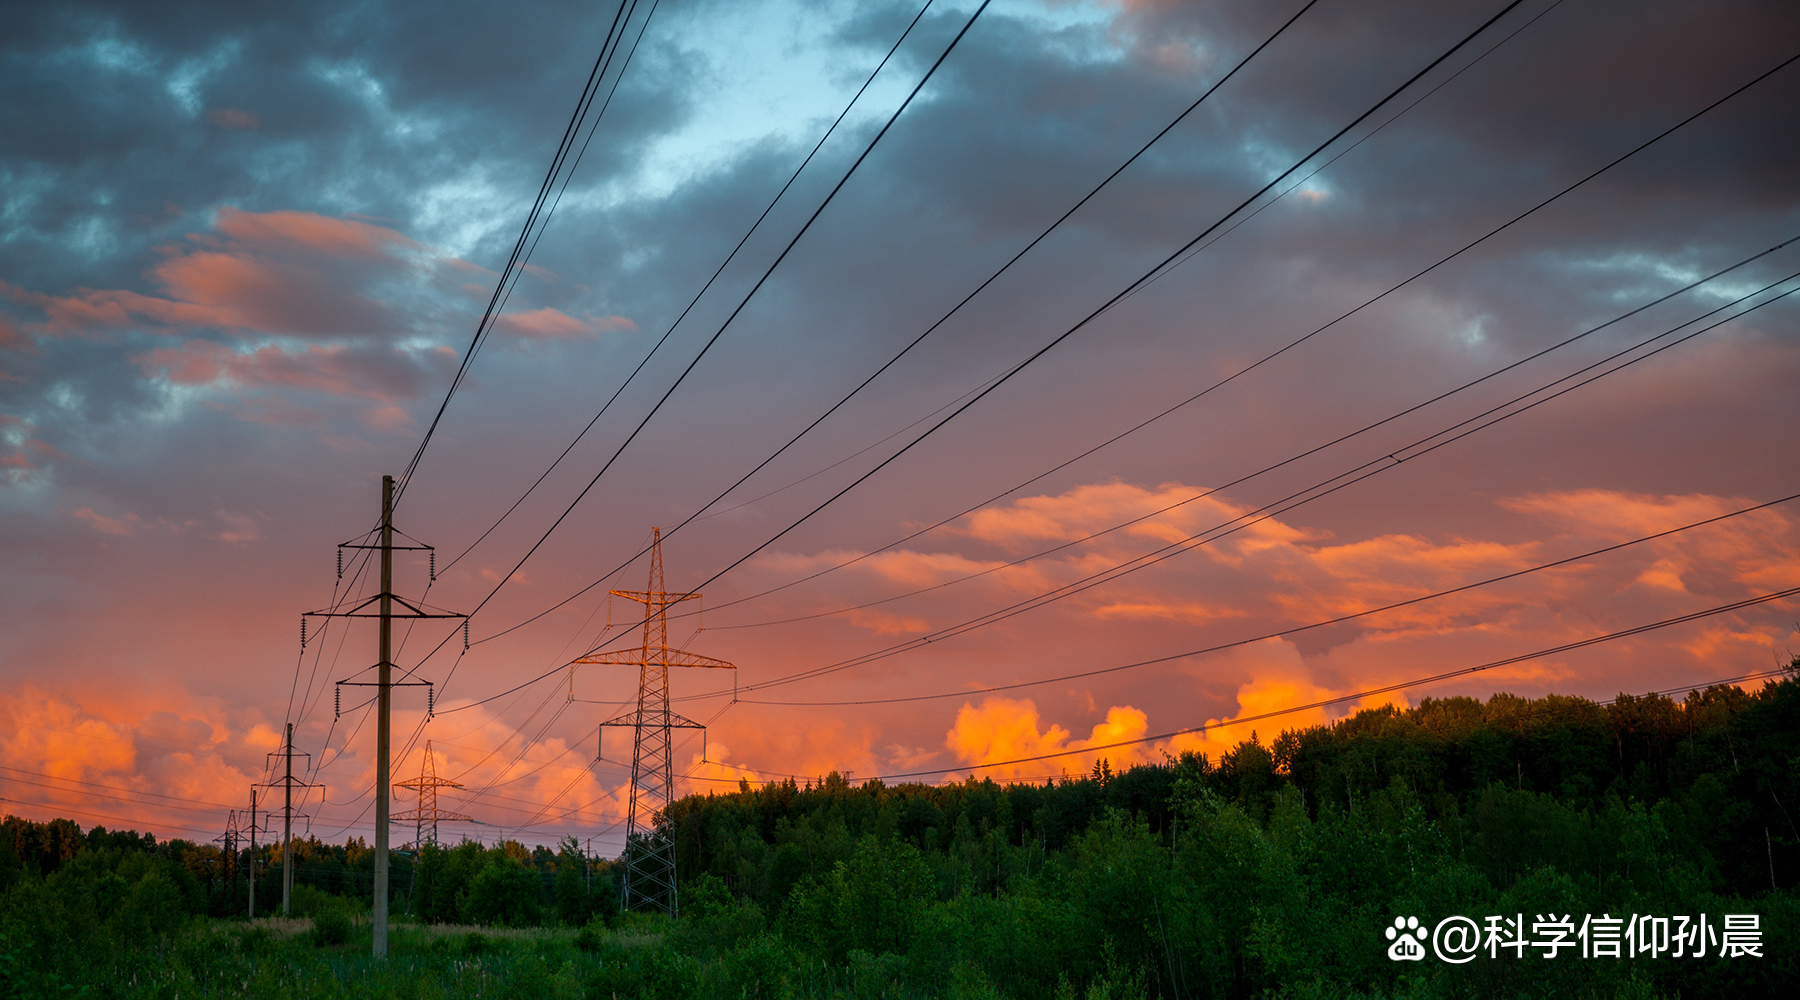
x=1270, y=872
x=1277, y=867
x=67, y=896
x=508, y=883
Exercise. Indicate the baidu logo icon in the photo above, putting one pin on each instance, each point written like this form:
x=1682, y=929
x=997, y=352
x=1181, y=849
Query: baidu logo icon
x=1408, y=938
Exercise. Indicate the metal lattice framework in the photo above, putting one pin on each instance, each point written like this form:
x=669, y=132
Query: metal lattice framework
x=427, y=785
x=649, y=881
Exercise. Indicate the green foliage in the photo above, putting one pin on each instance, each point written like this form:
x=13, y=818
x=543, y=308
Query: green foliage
x=713, y=920
x=872, y=902
x=331, y=927
x=1268, y=873
x=503, y=892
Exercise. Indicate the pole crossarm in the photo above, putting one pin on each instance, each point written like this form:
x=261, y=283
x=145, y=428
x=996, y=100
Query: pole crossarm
x=649, y=881
x=658, y=657
x=428, y=814
x=385, y=606
x=632, y=720
x=412, y=610
x=287, y=783
x=662, y=597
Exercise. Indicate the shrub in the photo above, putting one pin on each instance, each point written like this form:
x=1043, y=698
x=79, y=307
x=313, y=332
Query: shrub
x=592, y=937
x=330, y=927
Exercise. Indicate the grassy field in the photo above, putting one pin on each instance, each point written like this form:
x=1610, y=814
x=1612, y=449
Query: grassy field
x=271, y=957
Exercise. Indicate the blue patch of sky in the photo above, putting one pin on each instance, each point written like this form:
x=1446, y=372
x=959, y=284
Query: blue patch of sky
x=780, y=74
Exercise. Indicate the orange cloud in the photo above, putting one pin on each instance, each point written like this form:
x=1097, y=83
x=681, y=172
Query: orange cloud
x=1003, y=729
x=126, y=765
x=553, y=324
x=1279, y=679
x=294, y=273
x=278, y=231
x=1284, y=573
x=334, y=369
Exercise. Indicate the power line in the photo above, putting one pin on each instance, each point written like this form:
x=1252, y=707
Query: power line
x=795, y=176
x=514, y=262
x=870, y=148
x=946, y=317
x=1370, y=692
x=1013, y=371
x=1225, y=486
x=1309, y=494
x=1020, y=366
x=1530, y=716
x=131, y=794
x=37, y=722
x=109, y=817
x=1581, y=557
x=1295, y=343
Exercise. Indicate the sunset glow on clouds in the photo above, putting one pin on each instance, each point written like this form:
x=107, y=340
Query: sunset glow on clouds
x=230, y=302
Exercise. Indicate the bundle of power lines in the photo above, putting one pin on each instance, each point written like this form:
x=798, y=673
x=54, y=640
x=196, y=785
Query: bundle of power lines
x=1415, y=84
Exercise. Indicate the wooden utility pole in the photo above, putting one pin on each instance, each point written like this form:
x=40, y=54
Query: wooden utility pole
x=384, y=696
x=384, y=684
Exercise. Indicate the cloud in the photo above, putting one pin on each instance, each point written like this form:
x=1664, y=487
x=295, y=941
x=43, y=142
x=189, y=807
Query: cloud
x=31, y=453
x=266, y=273
x=1278, y=679
x=107, y=525
x=383, y=374
x=285, y=231
x=1004, y=729
x=12, y=340
x=216, y=318
x=237, y=528
x=1291, y=573
x=547, y=323
x=158, y=769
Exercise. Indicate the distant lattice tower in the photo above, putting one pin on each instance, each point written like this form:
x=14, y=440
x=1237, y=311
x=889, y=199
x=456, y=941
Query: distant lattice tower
x=649, y=881
x=228, y=853
x=427, y=785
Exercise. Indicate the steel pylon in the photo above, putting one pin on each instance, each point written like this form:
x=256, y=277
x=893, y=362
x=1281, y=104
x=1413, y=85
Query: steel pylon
x=649, y=877
x=427, y=785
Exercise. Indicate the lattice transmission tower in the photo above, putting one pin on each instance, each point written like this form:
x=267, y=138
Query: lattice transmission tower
x=228, y=854
x=427, y=785
x=649, y=881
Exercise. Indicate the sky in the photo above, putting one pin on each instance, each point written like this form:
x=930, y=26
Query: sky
x=245, y=247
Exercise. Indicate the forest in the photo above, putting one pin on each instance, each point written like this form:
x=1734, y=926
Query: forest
x=1276, y=871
